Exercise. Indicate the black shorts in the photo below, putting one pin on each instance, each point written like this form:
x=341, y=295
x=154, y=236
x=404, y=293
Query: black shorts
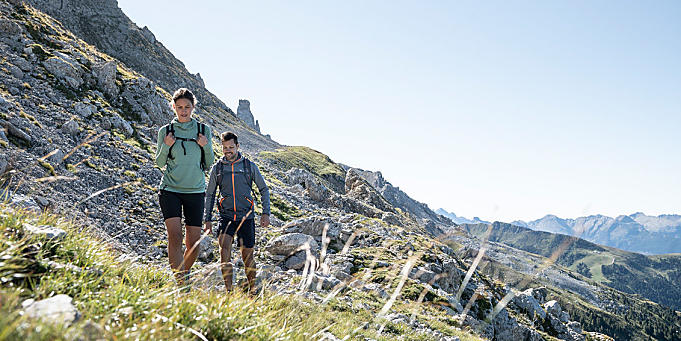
x=173, y=203
x=245, y=235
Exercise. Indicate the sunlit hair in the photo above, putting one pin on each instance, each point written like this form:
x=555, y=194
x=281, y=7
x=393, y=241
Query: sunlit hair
x=228, y=135
x=184, y=93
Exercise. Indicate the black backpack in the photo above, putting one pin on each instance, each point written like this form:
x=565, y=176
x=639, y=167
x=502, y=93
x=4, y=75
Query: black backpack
x=249, y=178
x=247, y=168
x=200, y=129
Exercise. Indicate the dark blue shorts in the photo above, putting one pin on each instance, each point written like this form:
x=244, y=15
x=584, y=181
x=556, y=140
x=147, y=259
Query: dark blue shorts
x=245, y=236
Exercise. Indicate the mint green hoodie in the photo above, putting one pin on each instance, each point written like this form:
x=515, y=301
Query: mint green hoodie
x=182, y=173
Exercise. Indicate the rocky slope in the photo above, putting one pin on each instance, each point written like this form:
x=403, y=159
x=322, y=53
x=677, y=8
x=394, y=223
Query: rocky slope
x=656, y=278
x=79, y=141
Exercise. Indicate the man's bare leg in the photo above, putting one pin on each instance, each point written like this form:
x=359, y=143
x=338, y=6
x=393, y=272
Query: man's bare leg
x=249, y=265
x=225, y=242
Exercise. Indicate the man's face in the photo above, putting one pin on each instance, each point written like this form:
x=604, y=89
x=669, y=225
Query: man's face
x=229, y=148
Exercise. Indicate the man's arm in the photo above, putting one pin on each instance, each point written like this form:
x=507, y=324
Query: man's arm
x=210, y=197
x=264, y=194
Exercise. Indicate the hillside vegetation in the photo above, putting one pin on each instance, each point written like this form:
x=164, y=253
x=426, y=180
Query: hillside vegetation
x=120, y=298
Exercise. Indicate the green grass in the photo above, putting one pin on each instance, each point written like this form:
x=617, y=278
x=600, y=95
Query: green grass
x=311, y=160
x=594, y=262
x=48, y=167
x=129, y=300
x=282, y=209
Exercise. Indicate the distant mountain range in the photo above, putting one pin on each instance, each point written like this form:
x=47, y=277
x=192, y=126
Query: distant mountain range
x=460, y=220
x=636, y=232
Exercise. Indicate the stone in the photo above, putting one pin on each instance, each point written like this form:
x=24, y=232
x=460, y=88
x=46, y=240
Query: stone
x=71, y=127
x=314, y=226
x=49, y=232
x=575, y=326
x=12, y=130
x=9, y=27
x=42, y=201
x=324, y=282
x=16, y=72
x=358, y=188
x=243, y=112
x=3, y=101
x=3, y=163
x=122, y=125
x=56, y=309
x=207, y=249
x=507, y=328
x=373, y=287
x=553, y=307
x=105, y=74
x=25, y=202
x=526, y=301
x=297, y=261
x=64, y=71
x=422, y=274
x=84, y=110
x=287, y=244
x=56, y=158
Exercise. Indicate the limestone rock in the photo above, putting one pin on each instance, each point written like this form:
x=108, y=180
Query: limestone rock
x=9, y=27
x=85, y=110
x=207, y=249
x=122, y=125
x=297, y=261
x=243, y=112
x=64, y=71
x=553, y=307
x=526, y=301
x=3, y=163
x=49, y=232
x=290, y=243
x=12, y=130
x=358, y=188
x=56, y=309
x=71, y=127
x=105, y=74
x=314, y=226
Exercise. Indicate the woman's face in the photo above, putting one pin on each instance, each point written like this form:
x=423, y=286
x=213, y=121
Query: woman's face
x=183, y=109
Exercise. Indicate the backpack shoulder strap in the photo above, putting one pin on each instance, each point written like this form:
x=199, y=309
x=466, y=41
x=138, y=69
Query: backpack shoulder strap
x=248, y=171
x=200, y=127
x=170, y=129
x=219, y=170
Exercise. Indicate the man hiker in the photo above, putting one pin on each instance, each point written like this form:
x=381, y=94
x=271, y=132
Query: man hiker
x=234, y=175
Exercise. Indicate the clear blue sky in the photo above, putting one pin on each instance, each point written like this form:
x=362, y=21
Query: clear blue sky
x=502, y=110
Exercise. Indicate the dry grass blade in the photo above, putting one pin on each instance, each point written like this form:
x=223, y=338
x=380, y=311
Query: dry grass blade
x=48, y=155
x=107, y=189
x=56, y=178
x=191, y=330
x=404, y=274
x=88, y=139
x=470, y=272
x=346, y=247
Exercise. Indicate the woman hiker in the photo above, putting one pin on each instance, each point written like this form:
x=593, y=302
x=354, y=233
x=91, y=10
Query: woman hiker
x=184, y=148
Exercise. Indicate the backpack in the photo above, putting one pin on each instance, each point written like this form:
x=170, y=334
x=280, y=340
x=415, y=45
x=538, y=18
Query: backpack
x=247, y=168
x=200, y=129
x=249, y=178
